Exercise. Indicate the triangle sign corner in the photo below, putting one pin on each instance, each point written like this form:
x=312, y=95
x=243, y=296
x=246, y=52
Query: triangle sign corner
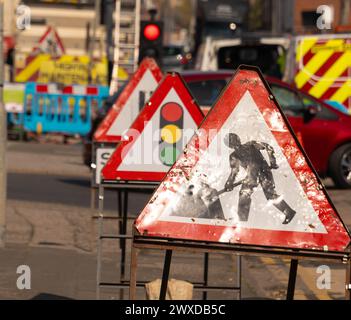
x=130, y=101
x=51, y=36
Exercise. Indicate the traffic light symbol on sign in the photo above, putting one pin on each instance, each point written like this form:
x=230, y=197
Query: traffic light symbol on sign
x=171, y=131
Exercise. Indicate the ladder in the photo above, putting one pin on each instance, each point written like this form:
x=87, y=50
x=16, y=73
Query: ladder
x=126, y=49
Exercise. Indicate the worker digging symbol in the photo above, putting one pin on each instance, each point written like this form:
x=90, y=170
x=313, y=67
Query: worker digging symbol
x=258, y=171
x=204, y=203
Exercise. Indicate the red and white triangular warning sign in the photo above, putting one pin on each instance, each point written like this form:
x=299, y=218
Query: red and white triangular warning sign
x=158, y=136
x=50, y=43
x=130, y=102
x=244, y=178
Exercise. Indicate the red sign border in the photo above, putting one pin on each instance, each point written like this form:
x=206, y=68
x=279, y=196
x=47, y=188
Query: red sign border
x=171, y=80
x=56, y=36
x=326, y=211
x=100, y=135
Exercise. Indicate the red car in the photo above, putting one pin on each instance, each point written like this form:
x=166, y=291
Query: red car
x=325, y=131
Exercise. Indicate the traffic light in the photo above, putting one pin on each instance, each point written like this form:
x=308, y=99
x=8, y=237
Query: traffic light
x=171, y=129
x=151, y=40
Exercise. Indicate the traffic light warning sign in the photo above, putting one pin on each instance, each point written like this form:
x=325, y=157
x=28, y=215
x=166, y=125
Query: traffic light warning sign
x=171, y=126
x=129, y=103
x=158, y=136
x=244, y=178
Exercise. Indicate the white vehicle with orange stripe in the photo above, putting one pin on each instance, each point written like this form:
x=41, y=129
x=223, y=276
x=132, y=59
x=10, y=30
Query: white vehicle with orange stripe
x=321, y=66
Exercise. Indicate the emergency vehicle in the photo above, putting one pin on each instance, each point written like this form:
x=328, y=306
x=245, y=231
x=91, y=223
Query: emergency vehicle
x=321, y=66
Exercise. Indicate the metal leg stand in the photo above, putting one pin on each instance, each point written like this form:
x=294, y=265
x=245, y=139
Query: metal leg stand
x=120, y=226
x=99, y=241
x=133, y=270
x=206, y=258
x=348, y=281
x=292, y=279
x=165, y=275
x=120, y=212
x=238, y=275
x=123, y=232
x=92, y=197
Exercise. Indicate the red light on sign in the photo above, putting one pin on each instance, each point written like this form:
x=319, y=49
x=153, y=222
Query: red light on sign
x=172, y=111
x=152, y=32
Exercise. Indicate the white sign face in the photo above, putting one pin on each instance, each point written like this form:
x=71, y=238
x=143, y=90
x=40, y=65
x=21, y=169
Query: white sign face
x=14, y=107
x=51, y=43
x=136, y=101
x=102, y=156
x=262, y=198
x=14, y=97
x=143, y=156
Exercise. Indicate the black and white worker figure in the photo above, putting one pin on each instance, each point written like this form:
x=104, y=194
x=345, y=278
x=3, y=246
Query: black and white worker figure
x=258, y=172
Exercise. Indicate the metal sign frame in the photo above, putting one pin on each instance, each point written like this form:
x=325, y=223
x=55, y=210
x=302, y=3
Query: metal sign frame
x=169, y=245
x=122, y=189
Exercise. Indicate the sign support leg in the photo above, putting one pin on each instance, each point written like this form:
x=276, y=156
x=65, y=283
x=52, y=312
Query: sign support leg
x=92, y=197
x=238, y=276
x=292, y=279
x=120, y=212
x=120, y=224
x=206, y=258
x=123, y=232
x=99, y=241
x=165, y=275
x=348, y=281
x=133, y=270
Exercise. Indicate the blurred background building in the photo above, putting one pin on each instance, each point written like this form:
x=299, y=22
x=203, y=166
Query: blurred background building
x=74, y=19
x=85, y=27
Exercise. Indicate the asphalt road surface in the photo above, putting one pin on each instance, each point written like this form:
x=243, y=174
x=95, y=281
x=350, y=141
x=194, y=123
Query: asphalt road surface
x=75, y=191
x=65, y=190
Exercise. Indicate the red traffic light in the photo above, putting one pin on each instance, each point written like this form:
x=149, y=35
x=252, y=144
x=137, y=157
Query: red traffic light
x=151, y=32
x=172, y=111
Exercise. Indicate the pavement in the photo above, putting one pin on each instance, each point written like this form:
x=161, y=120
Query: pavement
x=46, y=158
x=56, y=238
